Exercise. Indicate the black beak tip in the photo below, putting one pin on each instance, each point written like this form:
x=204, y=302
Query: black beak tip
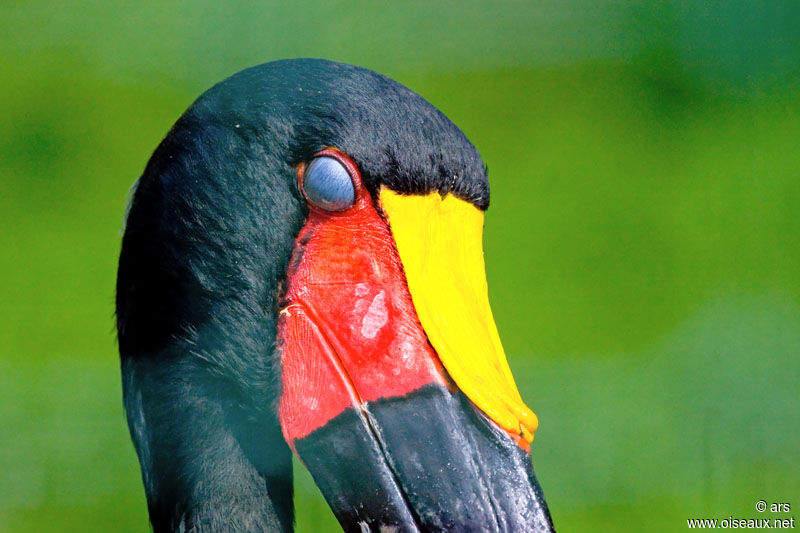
x=426, y=461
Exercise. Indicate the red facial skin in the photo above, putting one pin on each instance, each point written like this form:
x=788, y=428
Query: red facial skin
x=349, y=332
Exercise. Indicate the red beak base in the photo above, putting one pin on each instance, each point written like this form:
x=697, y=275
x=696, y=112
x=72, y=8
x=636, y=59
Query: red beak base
x=349, y=332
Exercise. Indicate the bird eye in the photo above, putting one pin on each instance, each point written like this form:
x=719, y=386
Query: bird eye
x=328, y=185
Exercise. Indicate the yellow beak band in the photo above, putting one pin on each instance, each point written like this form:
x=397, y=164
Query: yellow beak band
x=440, y=242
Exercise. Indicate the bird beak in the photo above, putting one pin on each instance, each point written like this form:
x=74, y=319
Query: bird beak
x=396, y=393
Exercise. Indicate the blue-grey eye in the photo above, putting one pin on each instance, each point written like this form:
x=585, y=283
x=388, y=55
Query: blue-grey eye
x=328, y=185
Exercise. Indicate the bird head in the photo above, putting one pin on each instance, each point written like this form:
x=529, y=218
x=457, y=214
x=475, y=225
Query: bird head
x=302, y=269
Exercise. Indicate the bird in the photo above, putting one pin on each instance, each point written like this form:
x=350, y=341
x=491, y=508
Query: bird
x=301, y=272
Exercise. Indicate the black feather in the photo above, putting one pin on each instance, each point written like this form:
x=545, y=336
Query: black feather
x=209, y=234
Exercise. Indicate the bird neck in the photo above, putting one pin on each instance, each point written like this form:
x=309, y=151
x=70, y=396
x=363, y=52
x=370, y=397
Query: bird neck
x=208, y=237
x=207, y=464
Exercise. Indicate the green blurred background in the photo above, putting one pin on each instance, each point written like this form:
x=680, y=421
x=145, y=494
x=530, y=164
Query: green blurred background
x=642, y=243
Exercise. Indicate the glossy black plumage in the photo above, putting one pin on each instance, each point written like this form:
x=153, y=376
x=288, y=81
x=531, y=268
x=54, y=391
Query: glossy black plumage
x=245, y=135
x=208, y=236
